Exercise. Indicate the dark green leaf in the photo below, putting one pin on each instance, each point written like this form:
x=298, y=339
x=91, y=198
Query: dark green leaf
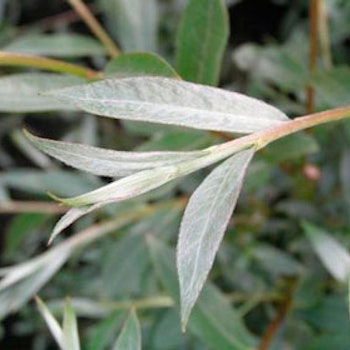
x=139, y=64
x=201, y=41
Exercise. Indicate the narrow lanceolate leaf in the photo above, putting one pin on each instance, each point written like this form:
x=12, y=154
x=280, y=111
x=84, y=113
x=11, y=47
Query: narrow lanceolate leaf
x=124, y=188
x=51, y=322
x=203, y=225
x=71, y=216
x=130, y=336
x=22, y=92
x=172, y=101
x=139, y=64
x=333, y=255
x=201, y=41
x=106, y=162
x=70, y=328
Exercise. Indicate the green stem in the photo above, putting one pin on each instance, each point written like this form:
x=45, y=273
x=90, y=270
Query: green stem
x=17, y=60
x=101, y=309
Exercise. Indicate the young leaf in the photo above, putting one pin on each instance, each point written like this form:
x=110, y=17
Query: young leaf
x=68, y=218
x=130, y=336
x=203, y=225
x=139, y=64
x=127, y=187
x=70, y=328
x=333, y=255
x=51, y=322
x=21, y=92
x=58, y=45
x=201, y=41
x=105, y=162
x=172, y=101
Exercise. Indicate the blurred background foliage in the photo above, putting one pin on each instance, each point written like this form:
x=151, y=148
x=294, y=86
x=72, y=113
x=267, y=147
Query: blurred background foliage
x=267, y=273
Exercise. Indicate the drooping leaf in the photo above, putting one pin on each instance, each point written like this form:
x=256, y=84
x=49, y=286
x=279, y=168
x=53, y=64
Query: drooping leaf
x=22, y=92
x=51, y=322
x=213, y=320
x=57, y=45
x=201, y=41
x=172, y=101
x=70, y=328
x=134, y=22
x=130, y=336
x=106, y=162
x=203, y=225
x=68, y=218
x=333, y=255
x=139, y=64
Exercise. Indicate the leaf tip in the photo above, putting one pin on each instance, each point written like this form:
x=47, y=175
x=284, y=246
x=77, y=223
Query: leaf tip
x=54, y=197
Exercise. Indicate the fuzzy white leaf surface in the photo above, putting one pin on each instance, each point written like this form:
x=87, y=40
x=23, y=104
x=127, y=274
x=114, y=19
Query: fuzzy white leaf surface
x=203, y=225
x=105, y=162
x=173, y=101
x=127, y=187
x=70, y=328
x=51, y=322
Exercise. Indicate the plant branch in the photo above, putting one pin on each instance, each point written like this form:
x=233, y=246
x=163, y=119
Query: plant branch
x=261, y=139
x=314, y=16
x=95, y=27
x=17, y=60
x=323, y=29
x=14, y=207
x=67, y=17
x=281, y=314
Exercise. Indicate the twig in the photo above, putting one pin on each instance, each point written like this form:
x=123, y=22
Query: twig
x=18, y=60
x=260, y=139
x=324, y=36
x=95, y=27
x=66, y=17
x=14, y=207
x=275, y=324
x=314, y=16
